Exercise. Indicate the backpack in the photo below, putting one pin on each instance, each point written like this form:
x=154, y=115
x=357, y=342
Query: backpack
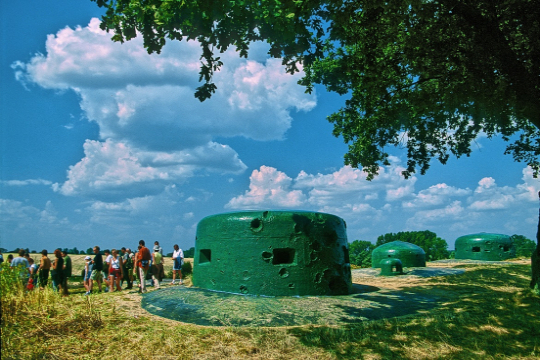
x=128, y=263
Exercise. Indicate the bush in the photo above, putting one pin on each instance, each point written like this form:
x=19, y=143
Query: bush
x=360, y=253
x=187, y=269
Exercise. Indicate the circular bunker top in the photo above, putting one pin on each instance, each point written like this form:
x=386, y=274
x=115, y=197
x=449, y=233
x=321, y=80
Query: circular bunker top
x=484, y=246
x=274, y=253
x=409, y=254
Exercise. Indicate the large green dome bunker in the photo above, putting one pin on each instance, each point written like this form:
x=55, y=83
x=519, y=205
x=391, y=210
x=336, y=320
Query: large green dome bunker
x=410, y=255
x=274, y=253
x=485, y=246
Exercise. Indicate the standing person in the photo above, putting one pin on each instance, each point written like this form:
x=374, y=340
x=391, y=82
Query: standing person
x=20, y=260
x=57, y=273
x=87, y=273
x=22, y=263
x=44, y=268
x=143, y=264
x=97, y=269
x=67, y=272
x=116, y=271
x=158, y=248
x=157, y=268
x=135, y=268
x=106, y=264
x=178, y=261
x=127, y=264
x=1, y=257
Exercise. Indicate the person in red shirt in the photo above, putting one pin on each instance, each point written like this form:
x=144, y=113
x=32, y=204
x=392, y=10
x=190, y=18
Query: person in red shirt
x=143, y=264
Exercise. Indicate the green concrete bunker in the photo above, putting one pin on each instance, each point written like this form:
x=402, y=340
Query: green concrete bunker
x=273, y=253
x=289, y=268
x=485, y=246
x=392, y=257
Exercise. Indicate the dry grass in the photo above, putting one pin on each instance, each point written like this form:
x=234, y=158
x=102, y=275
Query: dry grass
x=490, y=314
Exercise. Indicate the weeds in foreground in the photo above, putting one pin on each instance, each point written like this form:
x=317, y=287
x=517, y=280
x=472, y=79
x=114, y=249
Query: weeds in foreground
x=489, y=313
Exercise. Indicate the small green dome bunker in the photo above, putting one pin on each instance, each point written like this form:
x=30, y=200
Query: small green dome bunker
x=485, y=246
x=274, y=253
x=409, y=254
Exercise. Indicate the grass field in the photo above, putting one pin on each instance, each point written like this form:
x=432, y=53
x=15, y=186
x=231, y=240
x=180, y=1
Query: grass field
x=490, y=314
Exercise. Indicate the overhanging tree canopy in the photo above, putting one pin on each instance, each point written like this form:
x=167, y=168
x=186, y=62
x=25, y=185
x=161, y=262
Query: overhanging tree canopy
x=429, y=76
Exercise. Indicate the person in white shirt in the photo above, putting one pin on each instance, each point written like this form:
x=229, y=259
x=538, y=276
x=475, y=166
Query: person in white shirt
x=116, y=271
x=178, y=261
x=106, y=266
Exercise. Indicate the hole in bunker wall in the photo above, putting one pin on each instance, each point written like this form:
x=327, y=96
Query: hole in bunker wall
x=476, y=249
x=267, y=256
x=283, y=256
x=255, y=223
x=205, y=256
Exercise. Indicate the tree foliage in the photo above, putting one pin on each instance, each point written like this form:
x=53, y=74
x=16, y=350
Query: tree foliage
x=189, y=253
x=426, y=75
x=524, y=246
x=434, y=246
x=360, y=253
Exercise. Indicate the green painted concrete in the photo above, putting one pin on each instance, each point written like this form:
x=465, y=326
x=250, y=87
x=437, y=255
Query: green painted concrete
x=485, y=246
x=274, y=253
x=409, y=254
x=391, y=267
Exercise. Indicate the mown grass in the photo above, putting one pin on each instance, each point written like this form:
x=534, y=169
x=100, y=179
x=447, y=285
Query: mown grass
x=490, y=314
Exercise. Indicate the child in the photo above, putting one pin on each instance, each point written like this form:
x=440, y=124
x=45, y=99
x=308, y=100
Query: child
x=33, y=272
x=87, y=271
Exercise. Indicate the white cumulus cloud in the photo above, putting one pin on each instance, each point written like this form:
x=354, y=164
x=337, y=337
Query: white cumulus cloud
x=145, y=107
x=367, y=206
x=268, y=188
x=111, y=167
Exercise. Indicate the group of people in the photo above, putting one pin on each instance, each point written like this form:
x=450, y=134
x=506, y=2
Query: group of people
x=111, y=269
x=129, y=266
x=60, y=269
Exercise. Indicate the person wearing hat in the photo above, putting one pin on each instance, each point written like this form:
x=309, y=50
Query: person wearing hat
x=87, y=272
x=158, y=248
x=157, y=268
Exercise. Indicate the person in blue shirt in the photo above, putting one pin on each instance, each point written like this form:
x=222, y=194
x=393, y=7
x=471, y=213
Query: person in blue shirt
x=22, y=263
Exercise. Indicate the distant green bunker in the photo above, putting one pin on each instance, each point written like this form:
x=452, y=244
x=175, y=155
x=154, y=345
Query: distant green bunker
x=409, y=254
x=273, y=253
x=484, y=246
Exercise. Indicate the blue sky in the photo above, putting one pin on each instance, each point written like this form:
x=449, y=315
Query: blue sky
x=103, y=144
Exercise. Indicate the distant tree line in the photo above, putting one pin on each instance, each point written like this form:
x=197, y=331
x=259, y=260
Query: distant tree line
x=189, y=253
x=435, y=247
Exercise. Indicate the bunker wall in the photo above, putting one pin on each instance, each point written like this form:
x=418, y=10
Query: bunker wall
x=274, y=253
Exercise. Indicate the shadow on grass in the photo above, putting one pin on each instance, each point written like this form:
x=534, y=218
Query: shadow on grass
x=489, y=312
x=389, y=304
